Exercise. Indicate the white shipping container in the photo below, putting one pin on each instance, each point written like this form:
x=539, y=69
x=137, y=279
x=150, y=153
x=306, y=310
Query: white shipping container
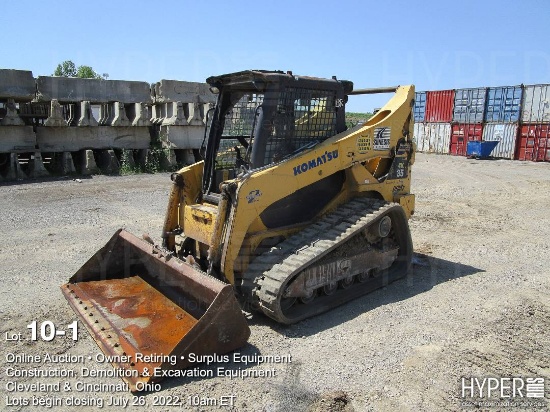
x=418, y=135
x=506, y=134
x=433, y=137
x=536, y=104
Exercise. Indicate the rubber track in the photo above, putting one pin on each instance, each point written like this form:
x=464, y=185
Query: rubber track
x=284, y=261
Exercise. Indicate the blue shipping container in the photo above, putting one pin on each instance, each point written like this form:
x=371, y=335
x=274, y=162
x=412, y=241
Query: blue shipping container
x=469, y=105
x=419, y=106
x=503, y=104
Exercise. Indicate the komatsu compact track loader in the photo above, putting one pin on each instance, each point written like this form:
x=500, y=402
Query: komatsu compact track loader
x=289, y=213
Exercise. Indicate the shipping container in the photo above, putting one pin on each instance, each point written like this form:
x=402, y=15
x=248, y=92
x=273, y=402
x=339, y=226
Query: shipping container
x=534, y=142
x=506, y=134
x=469, y=105
x=526, y=143
x=461, y=134
x=503, y=104
x=419, y=106
x=433, y=137
x=536, y=104
x=418, y=135
x=542, y=143
x=439, y=106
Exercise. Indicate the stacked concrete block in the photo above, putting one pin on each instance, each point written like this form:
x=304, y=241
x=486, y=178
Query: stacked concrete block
x=84, y=162
x=11, y=169
x=50, y=120
x=69, y=90
x=11, y=118
x=107, y=161
x=56, y=118
x=36, y=166
x=16, y=87
x=179, y=110
x=119, y=115
x=67, y=163
x=86, y=117
x=17, y=84
x=187, y=92
x=70, y=139
x=141, y=115
x=174, y=115
x=17, y=139
x=123, y=121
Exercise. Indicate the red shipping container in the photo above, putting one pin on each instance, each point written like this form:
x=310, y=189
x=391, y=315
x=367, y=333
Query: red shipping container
x=542, y=143
x=461, y=134
x=439, y=106
x=534, y=143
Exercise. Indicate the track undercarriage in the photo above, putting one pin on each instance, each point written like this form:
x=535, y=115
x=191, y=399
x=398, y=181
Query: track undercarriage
x=363, y=245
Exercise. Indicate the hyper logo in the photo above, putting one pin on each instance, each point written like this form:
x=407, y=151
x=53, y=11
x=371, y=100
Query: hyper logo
x=508, y=387
x=324, y=158
x=382, y=138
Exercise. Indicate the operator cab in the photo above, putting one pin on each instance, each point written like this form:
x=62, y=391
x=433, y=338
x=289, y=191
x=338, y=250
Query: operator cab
x=264, y=117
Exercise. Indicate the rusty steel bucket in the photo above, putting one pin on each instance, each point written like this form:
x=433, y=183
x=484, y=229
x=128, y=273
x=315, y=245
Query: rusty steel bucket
x=148, y=309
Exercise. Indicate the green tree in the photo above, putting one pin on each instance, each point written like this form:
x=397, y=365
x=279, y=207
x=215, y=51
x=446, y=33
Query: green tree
x=86, y=72
x=68, y=69
x=65, y=69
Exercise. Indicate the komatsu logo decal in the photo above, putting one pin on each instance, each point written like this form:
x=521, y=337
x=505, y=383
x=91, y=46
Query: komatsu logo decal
x=304, y=167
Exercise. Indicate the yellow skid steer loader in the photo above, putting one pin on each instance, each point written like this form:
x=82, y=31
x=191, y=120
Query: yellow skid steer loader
x=288, y=213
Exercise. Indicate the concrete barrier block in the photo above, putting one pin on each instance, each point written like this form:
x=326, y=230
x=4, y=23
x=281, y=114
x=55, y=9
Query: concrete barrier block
x=67, y=163
x=85, y=162
x=56, y=118
x=106, y=114
x=167, y=91
x=17, y=84
x=71, y=113
x=168, y=159
x=206, y=107
x=107, y=161
x=36, y=166
x=67, y=89
x=12, y=171
x=71, y=139
x=195, y=114
x=157, y=116
x=17, y=139
x=183, y=137
x=86, y=116
x=176, y=115
x=119, y=112
x=11, y=118
x=142, y=118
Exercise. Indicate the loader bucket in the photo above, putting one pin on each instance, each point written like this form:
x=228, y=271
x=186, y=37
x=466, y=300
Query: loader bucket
x=148, y=310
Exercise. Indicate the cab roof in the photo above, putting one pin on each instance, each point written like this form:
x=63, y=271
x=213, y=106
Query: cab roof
x=260, y=79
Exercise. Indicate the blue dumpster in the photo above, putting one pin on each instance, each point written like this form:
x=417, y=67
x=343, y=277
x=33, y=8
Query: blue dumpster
x=481, y=149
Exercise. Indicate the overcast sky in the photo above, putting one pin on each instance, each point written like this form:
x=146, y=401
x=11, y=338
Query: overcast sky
x=432, y=44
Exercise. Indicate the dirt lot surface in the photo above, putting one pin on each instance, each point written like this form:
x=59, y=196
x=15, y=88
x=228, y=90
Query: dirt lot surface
x=476, y=305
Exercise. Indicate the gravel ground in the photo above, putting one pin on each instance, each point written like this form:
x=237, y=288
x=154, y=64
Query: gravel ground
x=476, y=305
